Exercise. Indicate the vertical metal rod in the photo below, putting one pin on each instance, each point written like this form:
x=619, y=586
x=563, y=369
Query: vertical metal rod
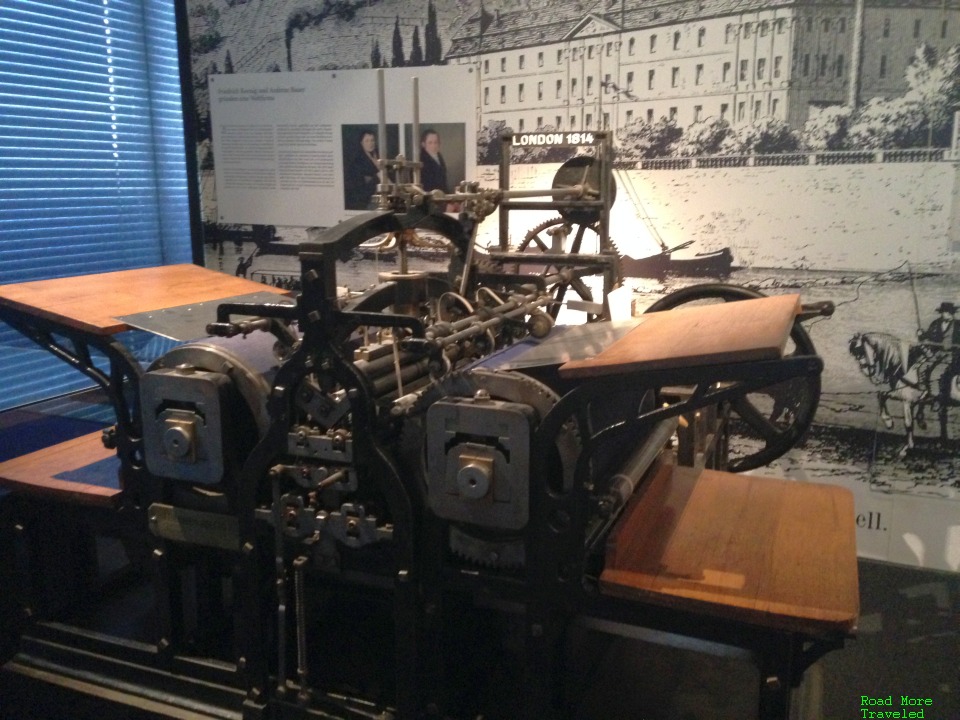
x=301, y=616
x=468, y=261
x=415, y=132
x=382, y=126
x=281, y=586
x=505, y=145
x=382, y=135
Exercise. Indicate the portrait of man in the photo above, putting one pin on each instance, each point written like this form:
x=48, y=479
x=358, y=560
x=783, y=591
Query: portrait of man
x=361, y=155
x=441, y=151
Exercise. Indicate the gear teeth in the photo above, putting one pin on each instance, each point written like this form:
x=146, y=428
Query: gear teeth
x=537, y=229
x=506, y=554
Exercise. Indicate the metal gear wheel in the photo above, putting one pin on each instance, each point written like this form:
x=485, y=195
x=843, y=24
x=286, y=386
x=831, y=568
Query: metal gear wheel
x=568, y=236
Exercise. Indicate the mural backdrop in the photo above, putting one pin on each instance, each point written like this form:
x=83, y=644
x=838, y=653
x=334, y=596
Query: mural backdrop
x=799, y=147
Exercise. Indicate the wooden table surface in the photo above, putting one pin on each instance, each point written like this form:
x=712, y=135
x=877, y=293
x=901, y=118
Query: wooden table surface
x=35, y=473
x=697, y=335
x=772, y=552
x=94, y=303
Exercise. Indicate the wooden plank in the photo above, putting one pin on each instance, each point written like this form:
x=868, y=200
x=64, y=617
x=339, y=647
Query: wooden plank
x=771, y=552
x=34, y=473
x=93, y=302
x=697, y=335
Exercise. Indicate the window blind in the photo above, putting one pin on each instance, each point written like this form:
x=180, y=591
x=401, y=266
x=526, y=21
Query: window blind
x=92, y=163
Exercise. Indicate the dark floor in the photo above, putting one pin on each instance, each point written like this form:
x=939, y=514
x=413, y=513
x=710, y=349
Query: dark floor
x=908, y=644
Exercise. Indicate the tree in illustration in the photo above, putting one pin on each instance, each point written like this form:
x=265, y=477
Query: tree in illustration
x=205, y=34
x=766, y=136
x=934, y=83
x=416, y=51
x=827, y=130
x=398, y=59
x=433, y=50
x=376, y=57
x=704, y=138
x=888, y=124
x=489, y=143
x=640, y=140
x=228, y=64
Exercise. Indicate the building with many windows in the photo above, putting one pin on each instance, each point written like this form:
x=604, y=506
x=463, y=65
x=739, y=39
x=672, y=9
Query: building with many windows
x=576, y=65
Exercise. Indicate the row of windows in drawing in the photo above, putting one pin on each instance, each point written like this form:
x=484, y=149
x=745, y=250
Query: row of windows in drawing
x=745, y=111
x=761, y=28
x=578, y=53
x=819, y=65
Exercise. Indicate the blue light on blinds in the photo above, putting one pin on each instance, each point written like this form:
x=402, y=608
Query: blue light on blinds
x=92, y=167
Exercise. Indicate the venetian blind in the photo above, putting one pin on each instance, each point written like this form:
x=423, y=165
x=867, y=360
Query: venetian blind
x=92, y=155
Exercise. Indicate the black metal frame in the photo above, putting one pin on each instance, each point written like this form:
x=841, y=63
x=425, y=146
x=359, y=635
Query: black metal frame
x=120, y=383
x=555, y=588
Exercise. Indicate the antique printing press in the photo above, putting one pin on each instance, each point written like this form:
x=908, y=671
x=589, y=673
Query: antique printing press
x=397, y=504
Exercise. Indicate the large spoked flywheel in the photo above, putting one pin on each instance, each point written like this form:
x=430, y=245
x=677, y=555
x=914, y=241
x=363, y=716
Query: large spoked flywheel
x=766, y=423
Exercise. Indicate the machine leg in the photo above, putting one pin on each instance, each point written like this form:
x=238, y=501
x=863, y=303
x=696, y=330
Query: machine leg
x=542, y=665
x=407, y=660
x=432, y=673
x=777, y=666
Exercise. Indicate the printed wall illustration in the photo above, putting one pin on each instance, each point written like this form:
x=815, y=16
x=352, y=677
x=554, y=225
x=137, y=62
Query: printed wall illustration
x=782, y=146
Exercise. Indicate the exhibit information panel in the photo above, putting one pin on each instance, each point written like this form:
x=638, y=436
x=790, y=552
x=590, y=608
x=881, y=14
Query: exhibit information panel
x=290, y=147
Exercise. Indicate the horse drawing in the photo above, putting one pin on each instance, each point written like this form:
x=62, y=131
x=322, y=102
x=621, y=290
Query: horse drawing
x=906, y=375
x=881, y=358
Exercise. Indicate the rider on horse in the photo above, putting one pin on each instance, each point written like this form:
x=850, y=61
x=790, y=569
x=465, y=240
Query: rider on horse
x=939, y=345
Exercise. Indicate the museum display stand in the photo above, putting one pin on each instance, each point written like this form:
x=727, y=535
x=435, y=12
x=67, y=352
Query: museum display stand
x=753, y=562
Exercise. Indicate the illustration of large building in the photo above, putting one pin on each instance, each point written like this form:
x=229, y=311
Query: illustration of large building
x=577, y=65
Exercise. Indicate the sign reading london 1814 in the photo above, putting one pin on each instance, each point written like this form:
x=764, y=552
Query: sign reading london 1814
x=554, y=139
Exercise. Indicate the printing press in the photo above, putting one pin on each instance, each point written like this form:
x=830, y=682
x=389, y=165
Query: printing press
x=398, y=503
